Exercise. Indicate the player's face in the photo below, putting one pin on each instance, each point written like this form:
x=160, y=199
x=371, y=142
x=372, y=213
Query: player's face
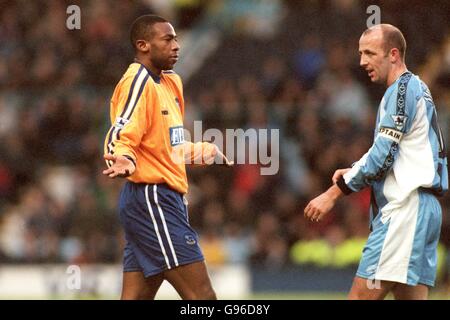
x=164, y=47
x=373, y=56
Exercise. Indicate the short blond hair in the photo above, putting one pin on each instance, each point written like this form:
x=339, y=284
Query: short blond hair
x=392, y=38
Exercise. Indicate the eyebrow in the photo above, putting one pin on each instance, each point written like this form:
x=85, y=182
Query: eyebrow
x=169, y=35
x=366, y=51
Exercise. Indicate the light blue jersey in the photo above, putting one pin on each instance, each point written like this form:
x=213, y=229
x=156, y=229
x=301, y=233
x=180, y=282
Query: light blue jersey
x=406, y=166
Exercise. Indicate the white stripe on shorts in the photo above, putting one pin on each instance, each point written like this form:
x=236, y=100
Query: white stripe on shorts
x=398, y=244
x=156, y=227
x=155, y=193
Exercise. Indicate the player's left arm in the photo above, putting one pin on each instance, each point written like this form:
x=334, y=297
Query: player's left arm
x=204, y=153
x=396, y=122
x=199, y=153
x=322, y=204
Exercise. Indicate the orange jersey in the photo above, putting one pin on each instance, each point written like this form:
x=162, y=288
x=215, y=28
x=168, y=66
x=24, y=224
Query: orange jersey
x=147, y=124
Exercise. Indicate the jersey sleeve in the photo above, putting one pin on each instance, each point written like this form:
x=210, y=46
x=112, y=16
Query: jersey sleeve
x=133, y=118
x=395, y=121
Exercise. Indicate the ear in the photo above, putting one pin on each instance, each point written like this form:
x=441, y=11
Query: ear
x=142, y=45
x=394, y=55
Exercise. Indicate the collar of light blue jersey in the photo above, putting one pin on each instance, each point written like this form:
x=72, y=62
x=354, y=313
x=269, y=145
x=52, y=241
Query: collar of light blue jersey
x=395, y=83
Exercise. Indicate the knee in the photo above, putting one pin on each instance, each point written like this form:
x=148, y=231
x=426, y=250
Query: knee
x=362, y=291
x=138, y=295
x=355, y=295
x=367, y=294
x=209, y=294
x=205, y=292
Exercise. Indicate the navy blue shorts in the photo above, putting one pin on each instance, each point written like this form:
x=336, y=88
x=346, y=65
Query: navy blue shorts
x=156, y=223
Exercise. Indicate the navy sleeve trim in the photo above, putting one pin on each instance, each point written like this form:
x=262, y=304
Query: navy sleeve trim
x=343, y=186
x=131, y=159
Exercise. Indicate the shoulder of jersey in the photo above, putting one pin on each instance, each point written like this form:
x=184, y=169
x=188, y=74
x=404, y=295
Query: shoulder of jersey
x=131, y=72
x=416, y=85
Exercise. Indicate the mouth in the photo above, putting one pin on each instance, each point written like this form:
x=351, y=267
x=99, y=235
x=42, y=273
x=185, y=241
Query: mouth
x=174, y=57
x=370, y=73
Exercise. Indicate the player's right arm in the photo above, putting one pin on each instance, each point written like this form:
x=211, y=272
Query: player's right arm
x=130, y=117
x=395, y=122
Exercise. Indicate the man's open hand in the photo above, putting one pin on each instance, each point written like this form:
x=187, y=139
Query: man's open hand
x=208, y=153
x=222, y=159
x=318, y=207
x=121, y=167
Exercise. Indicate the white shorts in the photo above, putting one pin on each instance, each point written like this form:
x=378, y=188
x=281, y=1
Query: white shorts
x=404, y=248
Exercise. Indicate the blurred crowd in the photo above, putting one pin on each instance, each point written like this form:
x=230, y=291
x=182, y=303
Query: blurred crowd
x=55, y=205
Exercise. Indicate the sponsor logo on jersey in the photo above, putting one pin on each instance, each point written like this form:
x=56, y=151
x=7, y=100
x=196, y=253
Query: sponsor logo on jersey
x=176, y=135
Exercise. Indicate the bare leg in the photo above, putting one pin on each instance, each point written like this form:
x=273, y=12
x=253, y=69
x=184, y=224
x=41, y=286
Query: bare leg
x=405, y=292
x=365, y=289
x=191, y=281
x=136, y=287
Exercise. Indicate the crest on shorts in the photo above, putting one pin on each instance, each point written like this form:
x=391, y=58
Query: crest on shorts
x=190, y=239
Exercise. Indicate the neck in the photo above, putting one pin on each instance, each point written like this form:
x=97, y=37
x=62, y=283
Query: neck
x=395, y=73
x=147, y=64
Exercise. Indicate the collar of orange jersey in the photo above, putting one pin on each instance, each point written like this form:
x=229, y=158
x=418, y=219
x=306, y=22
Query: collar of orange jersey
x=155, y=77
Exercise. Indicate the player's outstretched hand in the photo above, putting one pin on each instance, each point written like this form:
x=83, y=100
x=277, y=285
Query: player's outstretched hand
x=213, y=155
x=338, y=174
x=318, y=207
x=121, y=167
x=224, y=159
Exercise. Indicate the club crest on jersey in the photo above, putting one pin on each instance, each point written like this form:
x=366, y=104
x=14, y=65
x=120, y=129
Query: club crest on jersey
x=176, y=135
x=399, y=121
x=121, y=122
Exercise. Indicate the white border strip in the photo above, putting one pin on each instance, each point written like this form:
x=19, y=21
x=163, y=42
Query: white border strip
x=165, y=225
x=156, y=227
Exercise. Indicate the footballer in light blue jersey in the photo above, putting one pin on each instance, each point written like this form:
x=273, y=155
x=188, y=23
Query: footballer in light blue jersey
x=408, y=153
x=406, y=167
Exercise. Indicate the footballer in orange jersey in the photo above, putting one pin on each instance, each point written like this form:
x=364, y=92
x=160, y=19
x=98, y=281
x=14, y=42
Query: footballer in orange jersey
x=147, y=109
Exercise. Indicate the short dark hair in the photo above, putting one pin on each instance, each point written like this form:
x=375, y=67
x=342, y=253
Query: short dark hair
x=140, y=29
x=392, y=38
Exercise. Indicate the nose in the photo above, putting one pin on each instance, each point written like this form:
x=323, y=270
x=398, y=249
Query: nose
x=362, y=62
x=176, y=46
